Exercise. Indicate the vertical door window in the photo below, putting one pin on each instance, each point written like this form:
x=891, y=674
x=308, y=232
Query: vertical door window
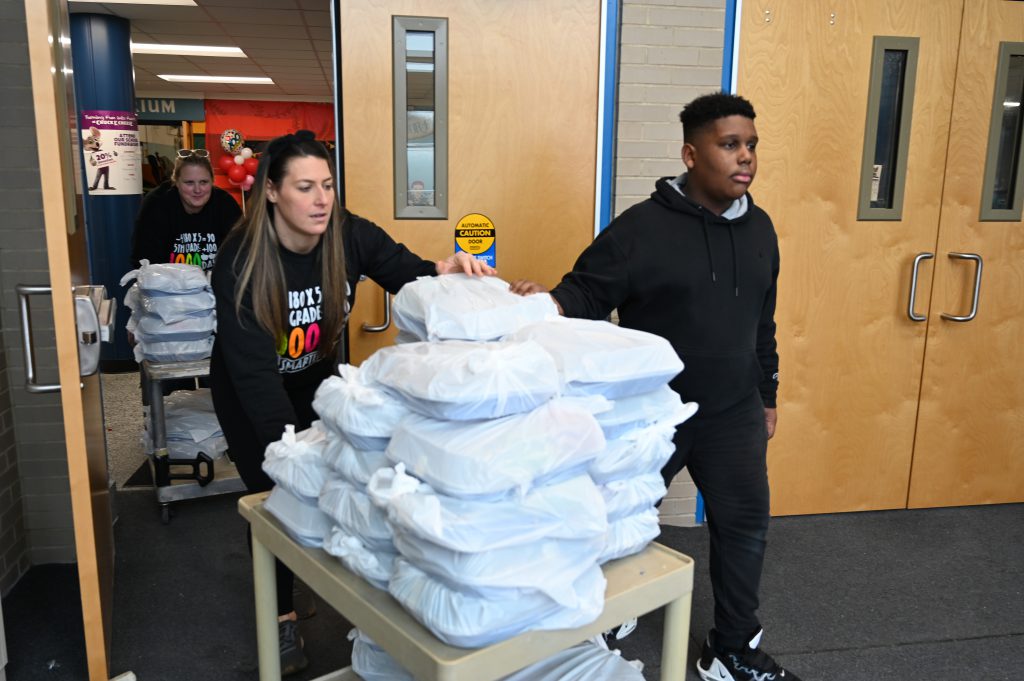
x=887, y=134
x=421, y=117
x=1003, y=185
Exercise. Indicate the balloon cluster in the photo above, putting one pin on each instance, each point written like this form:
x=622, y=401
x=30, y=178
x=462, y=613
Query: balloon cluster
x=238, y=163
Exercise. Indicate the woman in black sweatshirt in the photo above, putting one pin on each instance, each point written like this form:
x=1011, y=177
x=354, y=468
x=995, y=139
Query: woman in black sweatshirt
x=185, y=219
x=285, y=280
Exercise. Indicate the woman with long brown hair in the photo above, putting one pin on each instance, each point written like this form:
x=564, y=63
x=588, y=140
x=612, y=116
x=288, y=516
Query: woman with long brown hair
x=284, y=281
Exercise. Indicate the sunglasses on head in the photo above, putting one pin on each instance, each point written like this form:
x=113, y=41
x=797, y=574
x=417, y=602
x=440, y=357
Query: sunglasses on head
x=201, y=153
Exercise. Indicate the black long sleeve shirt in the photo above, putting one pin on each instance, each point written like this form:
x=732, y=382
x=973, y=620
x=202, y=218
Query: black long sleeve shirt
x=705, y=283
x=262, y=383
x=164, y=232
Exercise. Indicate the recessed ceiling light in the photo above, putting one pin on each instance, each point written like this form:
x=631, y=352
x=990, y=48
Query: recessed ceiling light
x=216, y=79
x=187, y=50
x=186, y=3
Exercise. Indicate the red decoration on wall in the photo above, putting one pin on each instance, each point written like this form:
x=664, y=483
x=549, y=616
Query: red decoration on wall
x=261, y=121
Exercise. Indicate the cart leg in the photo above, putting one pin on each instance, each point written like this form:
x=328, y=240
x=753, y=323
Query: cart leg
x=266, y=612
x=675, y=642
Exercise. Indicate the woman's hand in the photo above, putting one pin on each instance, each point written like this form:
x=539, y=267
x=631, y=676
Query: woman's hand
x=465, y=263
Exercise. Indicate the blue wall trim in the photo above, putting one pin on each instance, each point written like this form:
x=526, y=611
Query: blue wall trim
x=611, y=72
x=729, y=46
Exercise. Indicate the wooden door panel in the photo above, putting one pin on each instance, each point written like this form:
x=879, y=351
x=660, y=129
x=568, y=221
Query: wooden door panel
x=970, y=440
x=523, y=80
x=851, y=359
x=52, y=93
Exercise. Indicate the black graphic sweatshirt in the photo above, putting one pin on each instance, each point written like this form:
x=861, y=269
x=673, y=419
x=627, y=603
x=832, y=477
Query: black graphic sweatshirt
x=165, y=232
x=704, y=282
x=261, y=383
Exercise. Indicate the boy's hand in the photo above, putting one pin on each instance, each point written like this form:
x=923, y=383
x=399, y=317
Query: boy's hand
x=771, y=417
x=525, y=287
x=465, y=263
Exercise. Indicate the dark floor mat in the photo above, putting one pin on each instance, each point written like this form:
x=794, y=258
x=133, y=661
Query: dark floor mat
x=43, y=623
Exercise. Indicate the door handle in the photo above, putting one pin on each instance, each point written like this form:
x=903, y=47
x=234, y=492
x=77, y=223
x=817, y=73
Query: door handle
x=27, y=343
x=387, y=317
x=914, y=317
x=977, y=287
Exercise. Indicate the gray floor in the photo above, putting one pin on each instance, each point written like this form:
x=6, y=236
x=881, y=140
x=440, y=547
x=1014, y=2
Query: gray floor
x=930, y=594
x=122, y=412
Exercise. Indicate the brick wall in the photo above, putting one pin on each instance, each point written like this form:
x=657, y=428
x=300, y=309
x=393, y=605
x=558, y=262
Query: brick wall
x=33, y=459
x=670, y=52
x=13, y=542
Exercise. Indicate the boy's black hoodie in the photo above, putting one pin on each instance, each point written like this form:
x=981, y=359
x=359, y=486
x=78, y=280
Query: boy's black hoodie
x=704, y=282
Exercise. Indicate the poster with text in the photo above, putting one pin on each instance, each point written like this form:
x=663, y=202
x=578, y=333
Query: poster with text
x=110, y=145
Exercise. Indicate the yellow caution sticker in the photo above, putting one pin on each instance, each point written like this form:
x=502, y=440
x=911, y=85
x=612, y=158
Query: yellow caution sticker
x=475, y=235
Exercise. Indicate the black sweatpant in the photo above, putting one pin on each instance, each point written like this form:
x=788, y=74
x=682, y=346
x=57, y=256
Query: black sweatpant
x=726, y=456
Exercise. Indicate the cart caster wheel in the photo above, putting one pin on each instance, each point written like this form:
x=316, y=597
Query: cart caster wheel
x=165, y=514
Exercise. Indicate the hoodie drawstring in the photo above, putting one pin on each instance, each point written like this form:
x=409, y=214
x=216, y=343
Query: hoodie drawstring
x=711, y=257
x=735, y=264
x=707, y=246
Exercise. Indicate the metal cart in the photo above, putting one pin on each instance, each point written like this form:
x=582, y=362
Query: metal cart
x=202, y=478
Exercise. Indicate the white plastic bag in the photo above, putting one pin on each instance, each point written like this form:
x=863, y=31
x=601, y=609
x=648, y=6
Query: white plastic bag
x=463, y=380
x=352, y=510
x=190, y=426
x=470, y=621
x=571, y=509
x=362, y=412
x=548, y=565
x=662, y=405
x=170, y=308
x=375, y=566
x=370, y=662
x=494, y=457
x=303, y=521
x=461, y=307
x=167, y=278
x=630, y=535
x=638, y=452
x=173, y=351
x=583, y=662
x=150, y=328
x=296, y=461
x=629, y=496
x=352, y=464
x=597, y=357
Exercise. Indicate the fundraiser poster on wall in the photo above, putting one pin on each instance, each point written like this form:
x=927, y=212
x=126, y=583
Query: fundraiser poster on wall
x=110, y=145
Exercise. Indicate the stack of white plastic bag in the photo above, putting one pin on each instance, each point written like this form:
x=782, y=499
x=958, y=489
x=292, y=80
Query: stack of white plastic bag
x=460, y=471
x=587, y=661
x=631, y=368
x=296, y=465
x=460, y=307
x=191, y=426
x=173, y=312
x=359, y=419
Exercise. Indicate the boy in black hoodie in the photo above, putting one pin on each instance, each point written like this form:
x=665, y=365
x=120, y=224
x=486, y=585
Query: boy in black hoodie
x=697, y=263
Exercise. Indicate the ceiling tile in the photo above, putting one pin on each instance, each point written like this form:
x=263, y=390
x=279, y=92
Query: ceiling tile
x=260, y=31
x=193, y=29
x=275, y=17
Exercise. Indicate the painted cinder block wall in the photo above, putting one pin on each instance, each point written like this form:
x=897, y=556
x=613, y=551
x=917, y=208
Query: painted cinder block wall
x=670, y=52
x=35, y=501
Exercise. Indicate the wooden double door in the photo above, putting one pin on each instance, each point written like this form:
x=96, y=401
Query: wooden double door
x=878, y=411
x=522, y=83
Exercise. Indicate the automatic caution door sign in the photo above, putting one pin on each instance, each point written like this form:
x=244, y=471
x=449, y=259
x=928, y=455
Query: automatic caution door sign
x=474, y=234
